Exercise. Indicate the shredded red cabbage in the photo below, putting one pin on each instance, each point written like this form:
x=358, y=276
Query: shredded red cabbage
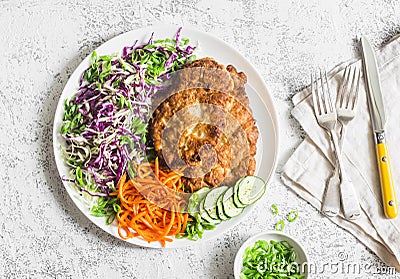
x=105, y=122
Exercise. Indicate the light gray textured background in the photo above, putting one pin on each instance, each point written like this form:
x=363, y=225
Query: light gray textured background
x=43, y=234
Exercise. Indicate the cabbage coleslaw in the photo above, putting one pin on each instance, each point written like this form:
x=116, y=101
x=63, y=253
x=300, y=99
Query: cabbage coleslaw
x=105, y=122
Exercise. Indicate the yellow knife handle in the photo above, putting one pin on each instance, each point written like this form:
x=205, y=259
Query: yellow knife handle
x=385, y=173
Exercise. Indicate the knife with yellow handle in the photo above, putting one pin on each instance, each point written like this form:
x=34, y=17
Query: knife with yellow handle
x=378, y=117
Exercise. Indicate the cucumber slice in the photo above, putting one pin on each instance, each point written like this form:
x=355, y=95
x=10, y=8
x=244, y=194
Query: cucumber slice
x=210, y=201
x=250, y=189
x=220, y=209
x=195, y=199
x=204, y=215
x=229, y=207
x=236, y=200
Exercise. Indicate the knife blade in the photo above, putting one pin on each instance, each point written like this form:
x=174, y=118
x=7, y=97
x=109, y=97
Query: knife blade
x=378, y=118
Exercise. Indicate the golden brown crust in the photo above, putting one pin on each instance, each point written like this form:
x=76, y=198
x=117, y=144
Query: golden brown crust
x=206, y=126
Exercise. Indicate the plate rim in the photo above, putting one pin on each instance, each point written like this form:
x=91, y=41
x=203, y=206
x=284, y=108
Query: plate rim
x=146, y=32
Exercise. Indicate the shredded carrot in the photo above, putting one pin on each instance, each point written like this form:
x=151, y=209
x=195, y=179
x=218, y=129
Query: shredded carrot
x=151, y=206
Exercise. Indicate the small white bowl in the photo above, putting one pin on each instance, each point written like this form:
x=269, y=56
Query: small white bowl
x=301, y=260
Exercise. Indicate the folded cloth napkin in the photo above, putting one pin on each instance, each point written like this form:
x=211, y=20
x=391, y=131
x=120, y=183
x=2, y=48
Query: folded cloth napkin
x=309, y=168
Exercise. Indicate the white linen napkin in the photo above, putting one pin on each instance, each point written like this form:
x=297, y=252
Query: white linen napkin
x=309, y=168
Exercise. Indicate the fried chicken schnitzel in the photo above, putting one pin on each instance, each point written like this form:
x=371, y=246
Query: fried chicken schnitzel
x=203, y=125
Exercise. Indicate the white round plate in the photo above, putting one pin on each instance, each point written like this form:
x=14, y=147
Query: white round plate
x=260, y=101
x=302, y=257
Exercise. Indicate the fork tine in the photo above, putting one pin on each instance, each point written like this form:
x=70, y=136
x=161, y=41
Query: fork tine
x=343, y=88
x=321, y=95
x=327, y=92
x=314, y=97
x=351, y=93
x=356, y=92
x=331, y=104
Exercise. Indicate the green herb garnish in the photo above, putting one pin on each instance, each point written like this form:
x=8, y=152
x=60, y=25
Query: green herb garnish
x=280, y=225
x=274, y=209
x=106, y=207
x=195, y=229
x=292, y=215
x=73, y=119
x=272, y=260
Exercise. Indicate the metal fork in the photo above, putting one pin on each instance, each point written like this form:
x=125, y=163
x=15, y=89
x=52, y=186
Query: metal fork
x=347, y=98
x=327, y=118
x=346, y=104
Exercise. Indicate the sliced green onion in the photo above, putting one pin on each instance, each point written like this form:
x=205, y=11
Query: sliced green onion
x=280, y=225
x=292, y=215
x=93, y=59
x=106, y=208
x=271, y=259
x=274, y=209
